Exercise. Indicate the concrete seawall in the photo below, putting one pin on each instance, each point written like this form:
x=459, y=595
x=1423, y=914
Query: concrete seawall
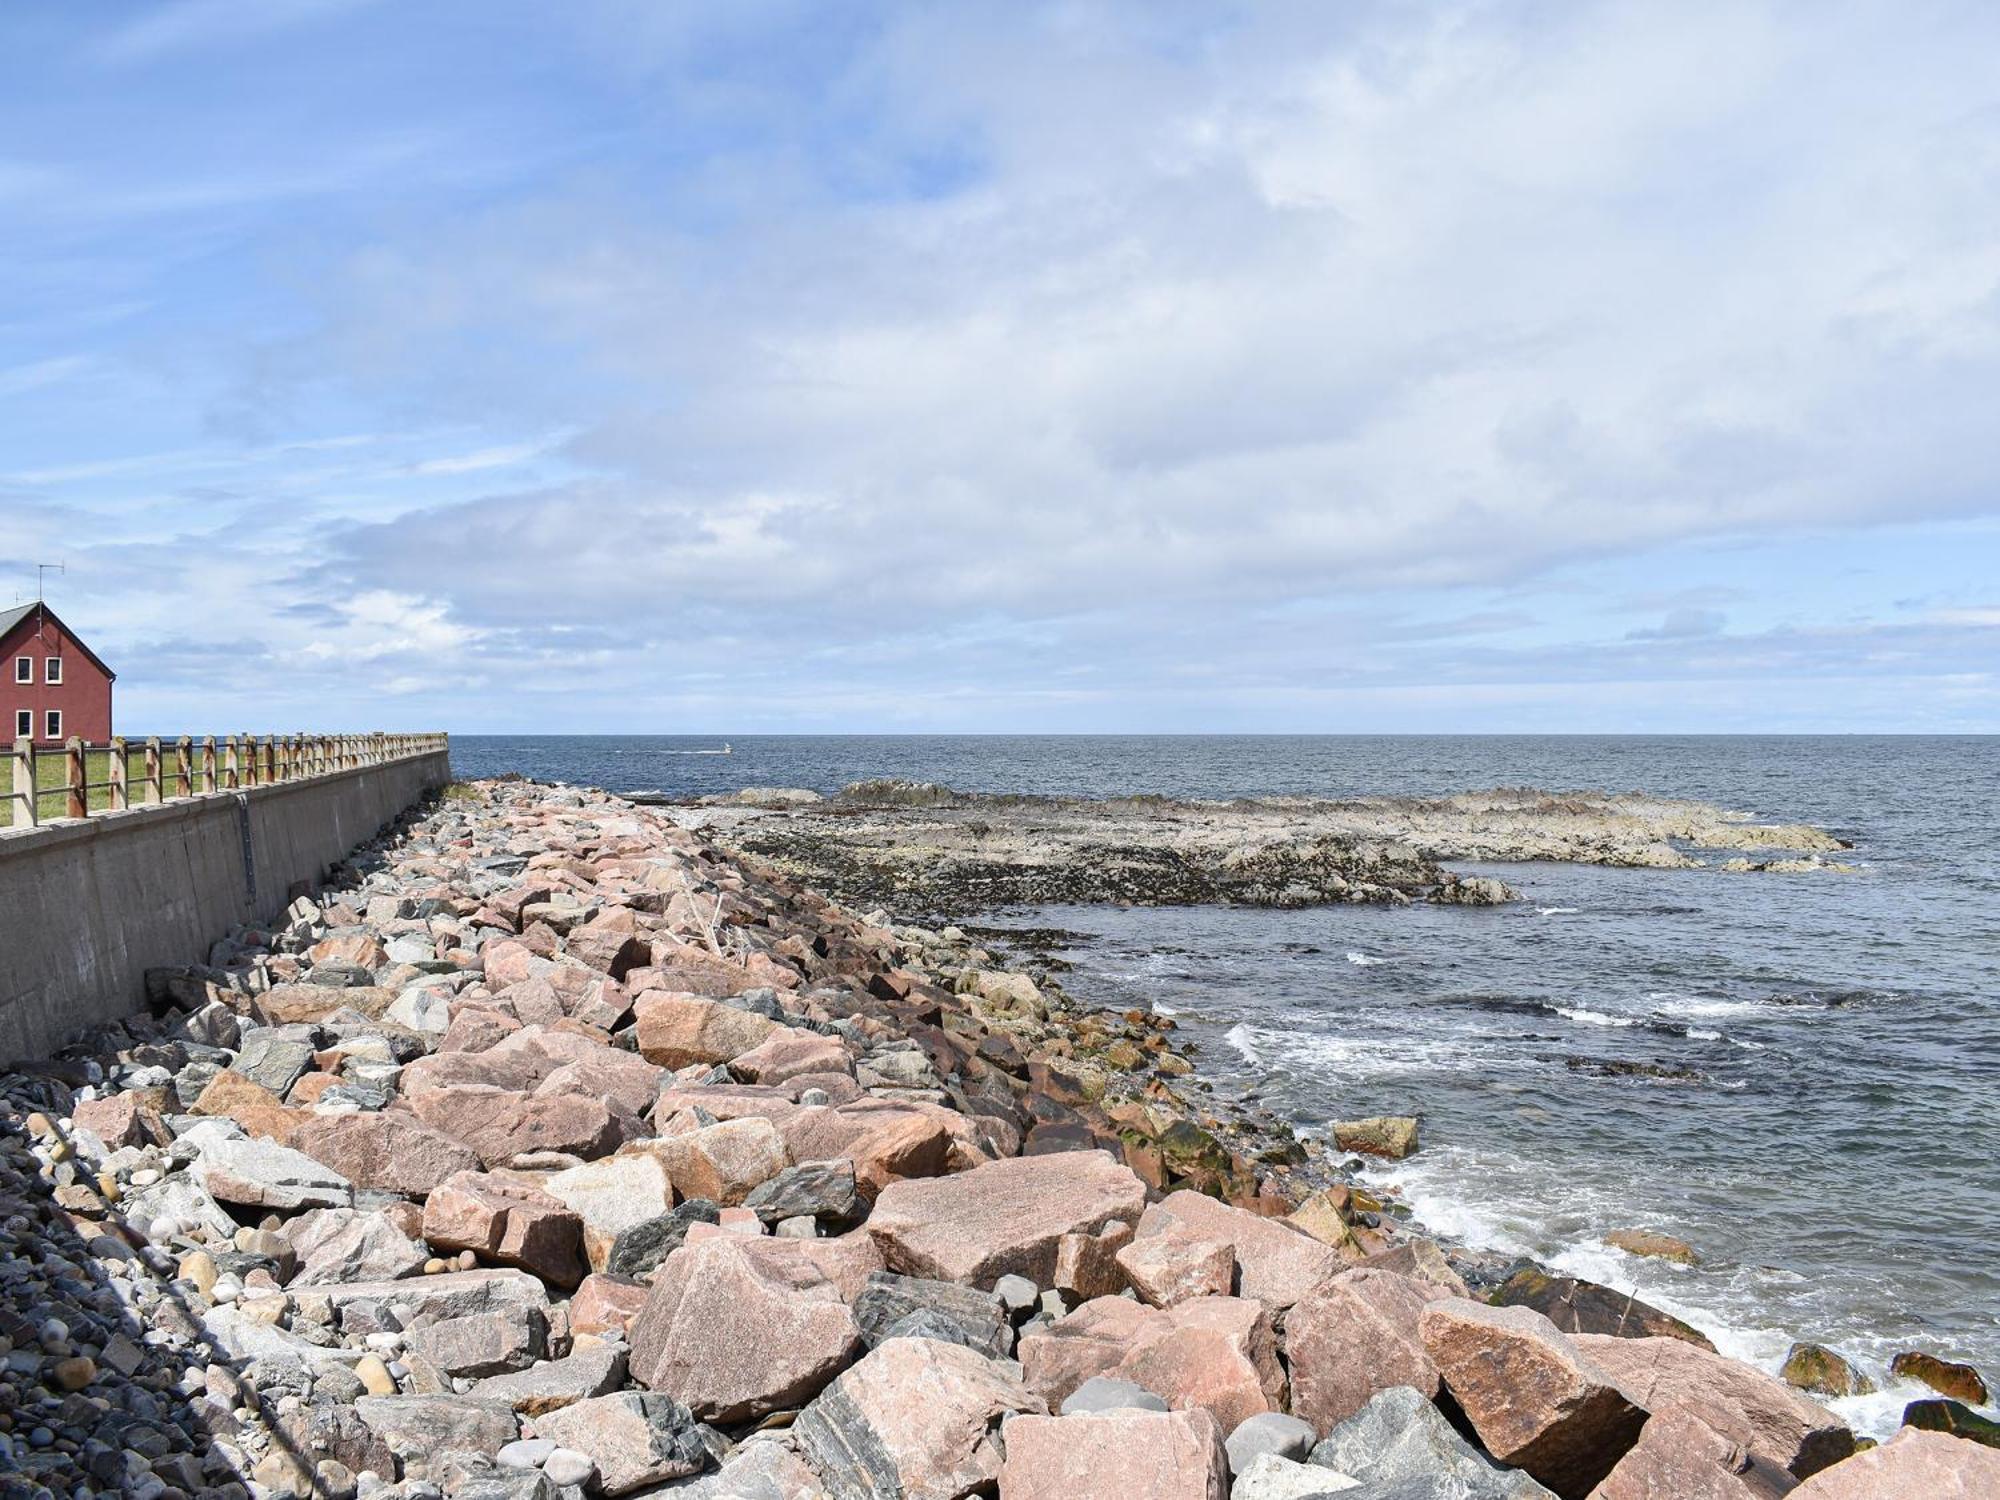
x=88, y=905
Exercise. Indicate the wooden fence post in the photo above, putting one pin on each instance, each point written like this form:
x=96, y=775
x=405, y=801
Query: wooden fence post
x=231, y=773
x=121, y=792
x=77, y=778
x=208, y=763
x=249, y=760
x=184, y=766
x=155, y=788
x=27, y=800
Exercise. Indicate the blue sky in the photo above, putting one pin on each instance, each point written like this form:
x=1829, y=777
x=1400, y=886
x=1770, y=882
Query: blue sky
x=638, y=366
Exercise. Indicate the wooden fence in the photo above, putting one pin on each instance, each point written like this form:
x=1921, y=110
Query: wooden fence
x=84, y=780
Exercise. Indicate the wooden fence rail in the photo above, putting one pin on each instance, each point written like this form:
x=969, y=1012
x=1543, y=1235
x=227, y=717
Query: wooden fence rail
x=86, y=779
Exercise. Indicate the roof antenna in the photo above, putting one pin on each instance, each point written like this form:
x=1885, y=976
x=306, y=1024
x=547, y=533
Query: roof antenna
x=41, y=570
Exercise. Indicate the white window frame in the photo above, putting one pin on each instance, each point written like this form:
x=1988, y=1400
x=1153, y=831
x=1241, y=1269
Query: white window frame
x=24, y=669
x=24, y=723
x=52, y=671
x=52, y=722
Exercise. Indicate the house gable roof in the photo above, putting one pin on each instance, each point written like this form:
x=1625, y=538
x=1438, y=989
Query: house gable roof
x=10, y=618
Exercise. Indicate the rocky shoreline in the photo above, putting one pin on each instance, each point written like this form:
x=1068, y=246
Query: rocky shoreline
x=928, y=848
x=554, y=1151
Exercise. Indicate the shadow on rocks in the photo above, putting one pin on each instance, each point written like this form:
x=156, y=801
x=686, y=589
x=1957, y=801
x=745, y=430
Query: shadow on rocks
x=109, y=1383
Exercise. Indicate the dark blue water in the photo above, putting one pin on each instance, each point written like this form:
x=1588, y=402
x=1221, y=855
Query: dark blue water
x=1833, y=1150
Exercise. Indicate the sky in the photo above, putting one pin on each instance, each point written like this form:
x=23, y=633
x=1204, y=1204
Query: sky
x=633, y=366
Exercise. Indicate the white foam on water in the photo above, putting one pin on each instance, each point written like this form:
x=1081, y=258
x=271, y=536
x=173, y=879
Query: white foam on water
x=1675, y=1005
x=1696, y=1034
x=1558, y=911
x=1161, y=1008
x=1364, y=960
x=1488, y=1204
x=1244, y=1040
x=1594, y=1017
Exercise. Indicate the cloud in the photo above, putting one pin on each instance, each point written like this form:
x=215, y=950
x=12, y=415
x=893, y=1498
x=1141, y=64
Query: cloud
x=194, y=25
x=1095, y=359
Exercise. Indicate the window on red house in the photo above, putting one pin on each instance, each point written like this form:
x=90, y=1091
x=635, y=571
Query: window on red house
x=52, y=673
x=52, y=724
x=24, y=669
x=24, y=723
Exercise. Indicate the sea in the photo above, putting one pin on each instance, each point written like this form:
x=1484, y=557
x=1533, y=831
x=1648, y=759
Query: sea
x=1818, y=1107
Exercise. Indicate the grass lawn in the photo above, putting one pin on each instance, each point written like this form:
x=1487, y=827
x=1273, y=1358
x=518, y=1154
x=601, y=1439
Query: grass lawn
x=52, y=779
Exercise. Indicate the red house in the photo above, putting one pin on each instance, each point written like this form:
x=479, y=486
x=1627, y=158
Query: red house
x=52, y=686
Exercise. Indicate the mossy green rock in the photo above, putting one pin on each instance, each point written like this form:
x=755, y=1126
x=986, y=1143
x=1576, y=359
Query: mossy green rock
x=1815, y=1368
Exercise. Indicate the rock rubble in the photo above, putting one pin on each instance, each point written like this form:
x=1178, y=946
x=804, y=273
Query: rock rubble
x=552, y=1152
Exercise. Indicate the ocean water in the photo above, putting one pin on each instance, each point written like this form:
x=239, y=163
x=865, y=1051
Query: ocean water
x=1830, y=1138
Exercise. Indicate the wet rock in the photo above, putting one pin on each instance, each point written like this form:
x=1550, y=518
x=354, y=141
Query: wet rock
x=1003, y=1217
x=634, y=1438
x=392, y=1151
x=1577, y=1306
x=1354, y=1336
x=1955, y=1417
x=1400, y=1445
x=1753, y=1410
x=1815, y=1368
x=1276, y=1264
x=943, y=1310
x=738, y=1327
x=1651, y=1244
x=1534, y=1398
x=1960, y=1382
x=1913, y=1465
x=1115, y=1455
x=1393, y=1136
x=507, y=1219
x=915, y=1419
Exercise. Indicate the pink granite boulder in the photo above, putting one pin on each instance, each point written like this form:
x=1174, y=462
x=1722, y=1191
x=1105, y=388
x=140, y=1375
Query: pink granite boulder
x=1912, y=1465
x=1116, y=1455
x=916, y=1418
x=1002, y=1218
x=504, y=1217
x=1353, y=1336
x=393, y=1151
x=1216, y=1353
x=1535, y=1399
x=675, y=1030
x=1275, y=1263
x=1678, y=1455
x=739, y=1327
x=1758, y=1412
x=1167, y=1269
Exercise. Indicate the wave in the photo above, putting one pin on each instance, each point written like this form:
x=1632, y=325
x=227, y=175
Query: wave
x=1161, y=1008
x=1243, y=1038
x=1364, y=960
x=1558, y=911
x=1594, y=1017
